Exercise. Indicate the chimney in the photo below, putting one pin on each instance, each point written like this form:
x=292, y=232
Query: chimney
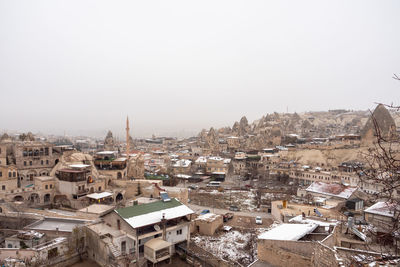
x=163, y=222
x=350, y=222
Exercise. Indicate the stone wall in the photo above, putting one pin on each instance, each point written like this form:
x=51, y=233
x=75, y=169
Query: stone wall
x=208, y=227
x=276, y=211
x=324, y=256
x=285, y=253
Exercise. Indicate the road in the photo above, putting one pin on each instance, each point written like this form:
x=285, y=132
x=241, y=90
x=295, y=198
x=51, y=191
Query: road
x=197, y=209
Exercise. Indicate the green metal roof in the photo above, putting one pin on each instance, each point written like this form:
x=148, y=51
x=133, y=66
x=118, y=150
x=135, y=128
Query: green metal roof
x=137, y=210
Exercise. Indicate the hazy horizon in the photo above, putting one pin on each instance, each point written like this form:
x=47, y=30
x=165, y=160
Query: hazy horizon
x=81, y=67
x=120, y=132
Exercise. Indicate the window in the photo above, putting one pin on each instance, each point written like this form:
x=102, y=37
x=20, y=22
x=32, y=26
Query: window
x=123, y=246
x=9, y=174
x=24, y=163
x=30, y=163
x=47, y=162
x=46, y=186
x=41, y=162
x=51, y=185
x=179, y=232
x=14, y=174
x=3, y=187
x=99, y=188
x=1, y=174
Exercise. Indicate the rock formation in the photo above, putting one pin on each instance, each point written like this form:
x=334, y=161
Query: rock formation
x=69, y=158
x=135, y=167
x=5, y=137
x=212, y=141
x=109, y=142
x=27, y=137
x=383, y=121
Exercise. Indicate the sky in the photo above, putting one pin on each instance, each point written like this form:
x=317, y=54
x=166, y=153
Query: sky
x=174, y=67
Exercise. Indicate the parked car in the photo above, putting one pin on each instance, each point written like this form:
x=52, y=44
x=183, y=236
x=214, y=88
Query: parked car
x=258, y=220
x=228, y=216
x=227, y=228
x=234, y=208
x=193, y=186
x=204, y=212
x=214, y=184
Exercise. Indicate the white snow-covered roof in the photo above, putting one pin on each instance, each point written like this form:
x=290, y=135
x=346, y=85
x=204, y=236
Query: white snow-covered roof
x=79, y=166
x=227, y=161
x=208, y=217
x=382, y=208
x=300, y=219
x=183, y=176
x=31, y=233
x=120, y=159
x=335, y=190
x=105, y=152
x=201, y=160
x=155, y=217
x=215, y=158
x=99, y=195
x=288, y=231
x=182, y=163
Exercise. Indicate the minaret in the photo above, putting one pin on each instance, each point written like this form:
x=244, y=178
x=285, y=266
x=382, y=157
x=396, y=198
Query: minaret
x=127, y=138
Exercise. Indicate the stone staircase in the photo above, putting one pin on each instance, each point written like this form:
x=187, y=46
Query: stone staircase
x=114, y=250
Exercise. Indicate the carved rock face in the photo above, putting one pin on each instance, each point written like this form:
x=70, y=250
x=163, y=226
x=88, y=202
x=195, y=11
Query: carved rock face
x=109, y=141
x=384, y=121
x=136, y=167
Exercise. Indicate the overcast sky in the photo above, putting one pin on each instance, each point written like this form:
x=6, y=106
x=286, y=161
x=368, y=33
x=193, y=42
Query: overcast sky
x=172, y=66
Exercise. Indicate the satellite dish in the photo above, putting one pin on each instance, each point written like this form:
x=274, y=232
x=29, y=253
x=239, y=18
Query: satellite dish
x=157, y=227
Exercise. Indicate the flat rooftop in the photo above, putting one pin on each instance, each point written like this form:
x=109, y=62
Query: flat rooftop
x=102, y=229
x=44, y=178
x=97, y=208
x=208, y=217
x=52, y=224
x=288, y=231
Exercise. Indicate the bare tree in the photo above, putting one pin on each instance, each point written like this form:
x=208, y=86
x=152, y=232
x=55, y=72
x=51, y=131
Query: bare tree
x=382, y=170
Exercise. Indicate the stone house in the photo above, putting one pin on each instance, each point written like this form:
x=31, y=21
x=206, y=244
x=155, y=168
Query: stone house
x=167, y=219
x=291, y=244
x=208, y=224
x=382, y=215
